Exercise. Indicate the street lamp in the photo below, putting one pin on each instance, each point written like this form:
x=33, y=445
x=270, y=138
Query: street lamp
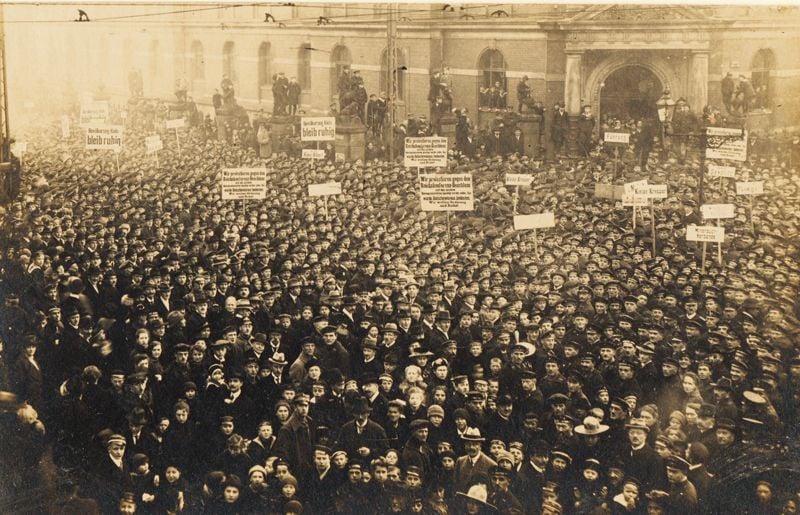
x=665, y=106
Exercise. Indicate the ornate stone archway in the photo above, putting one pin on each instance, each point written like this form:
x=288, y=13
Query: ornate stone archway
x=656, y=64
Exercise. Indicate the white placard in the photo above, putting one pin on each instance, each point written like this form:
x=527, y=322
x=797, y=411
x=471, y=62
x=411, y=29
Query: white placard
x=537, y=221
x=321, y=128
x=426, y=152
x=705, y=233
x=446, y=192
x=313, y=153
x=629, y=200
x=724, y=143
x=518, y=179
x=153, y=143
x=721, y=171
x=177, y=123
x=710, y=211
x=616, y=137
x=750, y=188
x=65, y=126
x=338, y=157
x=629, y=188
x=95, y=113
x=19, y=147
x=654, y=191
x=325, y=188
x=103, y=137
x=244, y=183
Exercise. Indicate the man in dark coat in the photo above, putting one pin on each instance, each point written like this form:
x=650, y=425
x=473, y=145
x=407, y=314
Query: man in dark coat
x=641, y=461
x=559, y=128
x=417, y=452
x=293, y=91
x=111, y=476
x=361, y=437
x=585, y=131
x=295, y=442
x=727, y=87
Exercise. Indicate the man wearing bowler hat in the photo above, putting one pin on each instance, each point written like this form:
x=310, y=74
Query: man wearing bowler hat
x=361, y=436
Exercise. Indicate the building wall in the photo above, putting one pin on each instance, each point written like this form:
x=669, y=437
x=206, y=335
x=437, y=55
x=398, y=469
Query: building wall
x=73, y=58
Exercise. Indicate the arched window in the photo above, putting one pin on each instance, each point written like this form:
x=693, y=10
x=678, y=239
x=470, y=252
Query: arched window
x=761, y=70
x=229, y=61
x=264, y=68
x=198, y=65
x=153, y=59
x=400, y=74
x=492, y=70
x=340, y=61
x=304, y=66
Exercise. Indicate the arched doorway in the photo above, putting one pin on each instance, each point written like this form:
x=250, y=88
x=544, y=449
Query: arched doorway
x=341, y=59
x=630, y=92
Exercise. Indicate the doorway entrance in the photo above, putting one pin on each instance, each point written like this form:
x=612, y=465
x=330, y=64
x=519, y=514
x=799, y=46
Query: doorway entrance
x=630, y=92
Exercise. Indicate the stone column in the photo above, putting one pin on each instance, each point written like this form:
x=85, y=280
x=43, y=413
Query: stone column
x=572, y=83
x=698, y=80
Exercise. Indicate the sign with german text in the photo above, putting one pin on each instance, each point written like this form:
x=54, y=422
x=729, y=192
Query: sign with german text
x=103, y=137
x=750, y=188
x=709, y=233
x=622, y=138
x=537, y=221
x=177, y=123
x=630, y=187
x=518, y=179
x=724, y=143
x=630, y=200
x=721, y=171
x=19, y=147
x=94, y=113
x=450, y=192
x=244, y=183
x=654, y=191
x=710, y=211
x=321, y=128
x=325, y=188
x=313, y=153
x=153, y=143
x=426, y=152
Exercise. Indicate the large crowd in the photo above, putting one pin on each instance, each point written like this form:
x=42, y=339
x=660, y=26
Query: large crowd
x=171, y=352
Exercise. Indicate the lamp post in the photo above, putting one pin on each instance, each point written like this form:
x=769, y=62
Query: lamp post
x=665, y=106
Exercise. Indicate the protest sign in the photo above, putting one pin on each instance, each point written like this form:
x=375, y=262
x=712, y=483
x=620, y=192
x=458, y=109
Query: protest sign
x=19, y=147
x=609, y=191
x=724, y=143
x=426, y=152
x=629, y=200
x=153, y=143
x=750, y=188
x=244, y=183
x=325, y=188
x=710, y=211
x=313, y=153
x=451, y=192
x=654, y=191
x=537, y=221
x=721, y=171
x=177, y=123
x=518, y=179
x=322, y=128
x=622, y=138
x=705, y=233
x=103, y=137
x=94, y=113
x=630, y=187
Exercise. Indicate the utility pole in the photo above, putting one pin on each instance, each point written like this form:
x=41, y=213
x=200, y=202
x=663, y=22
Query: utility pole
x=5, y=132
x=391, y=70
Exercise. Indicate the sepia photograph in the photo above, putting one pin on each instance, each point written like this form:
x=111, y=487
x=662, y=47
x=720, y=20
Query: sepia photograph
x=359, y=258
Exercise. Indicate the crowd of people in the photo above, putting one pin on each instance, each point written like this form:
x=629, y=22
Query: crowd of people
x=172, y=352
